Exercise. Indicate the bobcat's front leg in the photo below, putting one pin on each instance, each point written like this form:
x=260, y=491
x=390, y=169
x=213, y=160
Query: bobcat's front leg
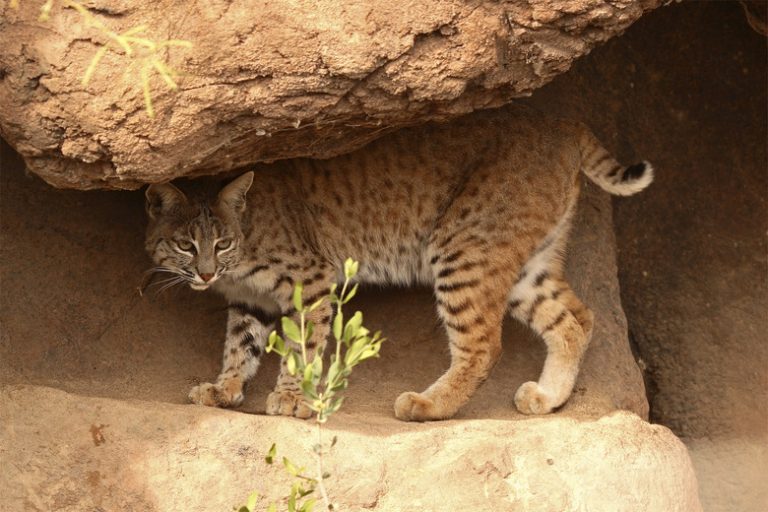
x=287, y=398
x=248, y=327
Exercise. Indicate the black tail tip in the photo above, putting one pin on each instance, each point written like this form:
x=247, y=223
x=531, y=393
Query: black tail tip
x=634, y=172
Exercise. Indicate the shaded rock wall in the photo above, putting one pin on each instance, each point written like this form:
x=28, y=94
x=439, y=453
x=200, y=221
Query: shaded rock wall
x=75, y=330
x=686, y=89
x=694, y=259
x=72, y=318
x=270, y=80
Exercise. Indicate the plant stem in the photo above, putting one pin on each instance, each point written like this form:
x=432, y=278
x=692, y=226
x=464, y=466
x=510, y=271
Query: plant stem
x=303, y=340
x=338, y=310
x=320, y=479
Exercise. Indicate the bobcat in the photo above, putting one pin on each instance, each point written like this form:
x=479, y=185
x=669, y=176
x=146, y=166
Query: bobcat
x=479, y=208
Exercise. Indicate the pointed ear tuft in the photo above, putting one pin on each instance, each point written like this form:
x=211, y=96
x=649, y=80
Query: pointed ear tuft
x=233, y=195
x=163, y=198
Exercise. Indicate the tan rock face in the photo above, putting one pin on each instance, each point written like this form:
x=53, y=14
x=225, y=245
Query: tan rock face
x=272, y=80
x=93, y=453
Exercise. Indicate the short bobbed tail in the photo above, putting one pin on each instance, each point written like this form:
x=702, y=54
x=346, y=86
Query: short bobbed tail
x=607, y=173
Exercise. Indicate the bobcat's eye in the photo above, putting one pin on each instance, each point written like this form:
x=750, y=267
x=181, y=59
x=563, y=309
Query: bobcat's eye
x=223, y=244
x=186, y=246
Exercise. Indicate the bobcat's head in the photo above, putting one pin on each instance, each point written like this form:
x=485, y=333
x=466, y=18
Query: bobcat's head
x=197, y=240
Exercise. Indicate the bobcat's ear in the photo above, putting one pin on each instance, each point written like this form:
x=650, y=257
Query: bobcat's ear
x=163, y=198
x=233, y=195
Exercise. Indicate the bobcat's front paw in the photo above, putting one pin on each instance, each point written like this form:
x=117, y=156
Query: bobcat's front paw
x=412, y=406
x=288, y=403
x=531, y=399
x=216, y=395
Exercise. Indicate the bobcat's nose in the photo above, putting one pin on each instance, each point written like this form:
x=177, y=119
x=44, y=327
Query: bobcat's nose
x=206, y=277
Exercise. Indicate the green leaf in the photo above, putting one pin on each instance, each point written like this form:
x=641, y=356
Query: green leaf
x=297, y=291
x=308, y=388
x=270, y=458
x=341, y=386
x=290, y=363
x=333, y=372
x=308, y=505
x=349, y=270
x=351, y=294
x=338, y=324
x=353, y=326
x=276, y=344
x=317, y=369
x=290, y=467
x=292, y=497
x=244, y=509
x=352, y=356
x=335, y=405
x=307, y=377
x=252, y=499
x=272, y=508
x=305, y=492
x=291, y=330
x=309, y=329
x=317, y=304
x=371, y=351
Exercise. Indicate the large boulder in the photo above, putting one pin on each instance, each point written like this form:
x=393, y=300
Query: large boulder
x=101, y=454
x=271, y=80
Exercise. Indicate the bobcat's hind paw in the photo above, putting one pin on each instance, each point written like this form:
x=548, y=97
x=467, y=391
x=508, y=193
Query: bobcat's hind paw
x=288, y=403
x=216, y=395
x=531, y=399
x=412, y=406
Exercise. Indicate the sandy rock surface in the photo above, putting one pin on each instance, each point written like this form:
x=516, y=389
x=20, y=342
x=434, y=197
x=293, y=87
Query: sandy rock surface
x=270, y=80
x=101, y=454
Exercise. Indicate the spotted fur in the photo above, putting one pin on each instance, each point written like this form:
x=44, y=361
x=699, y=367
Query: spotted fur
x=480, y=209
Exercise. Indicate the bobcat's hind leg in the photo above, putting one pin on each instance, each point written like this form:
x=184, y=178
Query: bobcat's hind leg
x=472, y=305
x=549, y=306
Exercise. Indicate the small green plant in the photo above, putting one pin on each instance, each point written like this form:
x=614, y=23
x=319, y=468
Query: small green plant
x=320, y=385
x=145, y=55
